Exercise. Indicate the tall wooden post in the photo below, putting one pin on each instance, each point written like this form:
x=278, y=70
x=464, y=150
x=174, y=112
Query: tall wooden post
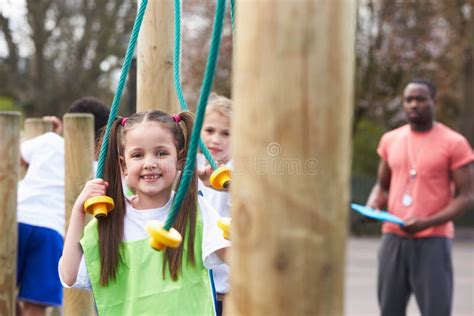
x=36, y=126
x=294, y=69
x=9, y=167
x=155, y=88
x=79, y=157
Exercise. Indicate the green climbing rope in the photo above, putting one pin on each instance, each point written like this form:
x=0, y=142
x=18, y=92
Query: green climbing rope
x=201, y=108
x=118, y=92
x=205, y=90
x=176, y=75
x=232, y=18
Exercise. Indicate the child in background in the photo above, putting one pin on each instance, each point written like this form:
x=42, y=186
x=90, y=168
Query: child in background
x=112, y=255
x=41, y=213
x=216, y=136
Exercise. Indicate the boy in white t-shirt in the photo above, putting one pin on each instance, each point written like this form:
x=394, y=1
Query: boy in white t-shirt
x=41, y=212
x=216, y=136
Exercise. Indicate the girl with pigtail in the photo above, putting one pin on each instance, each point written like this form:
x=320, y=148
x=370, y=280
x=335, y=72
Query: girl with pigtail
x=112, y=257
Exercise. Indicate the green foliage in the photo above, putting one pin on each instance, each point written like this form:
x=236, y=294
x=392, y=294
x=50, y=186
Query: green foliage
x=361, y=187
x=366, y=138
x=7, y=104
x=364, y=171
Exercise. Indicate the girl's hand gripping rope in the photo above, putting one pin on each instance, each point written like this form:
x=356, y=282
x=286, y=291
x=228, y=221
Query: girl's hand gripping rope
x=94, y=199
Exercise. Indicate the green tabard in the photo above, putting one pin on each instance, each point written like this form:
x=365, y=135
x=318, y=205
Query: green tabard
x=140, y=288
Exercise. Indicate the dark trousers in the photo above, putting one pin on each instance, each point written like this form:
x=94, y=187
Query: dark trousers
x=219, y=308
x=220, y=304
x=415, y=265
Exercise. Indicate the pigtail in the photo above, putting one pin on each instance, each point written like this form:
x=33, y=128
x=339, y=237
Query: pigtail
x=186, y=219
x=111, y=227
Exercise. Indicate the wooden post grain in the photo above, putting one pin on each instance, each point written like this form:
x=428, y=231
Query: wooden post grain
x=294, y=67
x=155, y=88
x=79, y=157
x=9, y=166
x=36, y=126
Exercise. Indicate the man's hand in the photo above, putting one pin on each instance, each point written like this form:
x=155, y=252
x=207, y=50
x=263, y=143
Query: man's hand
x=367, y=219
x=414, y=225
x=373, y=205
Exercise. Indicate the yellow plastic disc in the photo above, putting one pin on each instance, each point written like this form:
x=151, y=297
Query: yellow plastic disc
x=162, y=238
x=220, y=178
x=99, y=206
x=224, y=224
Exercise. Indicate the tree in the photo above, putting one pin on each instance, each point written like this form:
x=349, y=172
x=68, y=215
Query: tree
x=76, y=47
x=399, y=40
x=79, y=45
x=466, y=118
x=198, y=17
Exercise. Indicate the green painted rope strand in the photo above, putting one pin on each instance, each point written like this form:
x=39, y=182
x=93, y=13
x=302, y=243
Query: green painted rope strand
x=232, y=19
x=176, y=75
x=118, y=92
x=204, y=95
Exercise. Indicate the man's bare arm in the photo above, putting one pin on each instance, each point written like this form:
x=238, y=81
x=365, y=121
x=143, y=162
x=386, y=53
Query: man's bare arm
x=378, y=197
x=463, y=201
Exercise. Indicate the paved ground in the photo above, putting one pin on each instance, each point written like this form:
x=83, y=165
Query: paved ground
x=360, y=296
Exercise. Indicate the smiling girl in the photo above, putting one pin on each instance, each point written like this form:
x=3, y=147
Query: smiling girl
x=112, y=256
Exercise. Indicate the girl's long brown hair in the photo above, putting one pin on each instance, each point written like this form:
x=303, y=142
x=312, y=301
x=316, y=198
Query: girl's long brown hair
x=111, y=227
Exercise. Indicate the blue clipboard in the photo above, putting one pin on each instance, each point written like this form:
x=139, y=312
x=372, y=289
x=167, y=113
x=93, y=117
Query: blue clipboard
x=378, y=215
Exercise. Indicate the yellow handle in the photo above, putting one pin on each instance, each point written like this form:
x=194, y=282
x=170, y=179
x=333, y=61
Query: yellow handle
x=162, y=238
x=220, y=178
x=99, y=206
x=224, y=223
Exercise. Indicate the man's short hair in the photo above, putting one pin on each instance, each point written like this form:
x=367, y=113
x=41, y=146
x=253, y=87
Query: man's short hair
x=429, y=84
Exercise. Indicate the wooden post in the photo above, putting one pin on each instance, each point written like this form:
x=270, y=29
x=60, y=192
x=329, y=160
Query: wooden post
x=155, y=88
x=35, y=127
x=294, y=73
x=9, y=170
x=79, y=158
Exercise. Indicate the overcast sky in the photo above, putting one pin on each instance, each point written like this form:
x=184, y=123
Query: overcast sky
x=15, y=10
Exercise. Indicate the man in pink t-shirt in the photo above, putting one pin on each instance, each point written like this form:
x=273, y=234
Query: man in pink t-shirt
x=424, y=179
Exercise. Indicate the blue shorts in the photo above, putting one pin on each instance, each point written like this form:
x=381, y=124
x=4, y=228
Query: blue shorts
x=39, y=250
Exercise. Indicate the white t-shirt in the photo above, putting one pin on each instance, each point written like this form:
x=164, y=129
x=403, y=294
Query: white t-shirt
x=41, y=192
x=135, y=221
x=221, y=201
